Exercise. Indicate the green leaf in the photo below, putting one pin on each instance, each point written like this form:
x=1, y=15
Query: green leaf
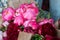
x=41, y=14
x=3, y=29
x=48, y=16
x=22, y=28
x=36, y=37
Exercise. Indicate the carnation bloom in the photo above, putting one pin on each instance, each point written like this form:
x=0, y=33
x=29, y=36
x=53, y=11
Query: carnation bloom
x=31, y=23
x=12, y=32
x=48, y=37
x=29, y=11
x=47, y=29
x=46, y=21
x=30, y=30
x=8, y=14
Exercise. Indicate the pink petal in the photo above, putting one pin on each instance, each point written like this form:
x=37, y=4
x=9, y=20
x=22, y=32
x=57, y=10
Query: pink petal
x=8, y=14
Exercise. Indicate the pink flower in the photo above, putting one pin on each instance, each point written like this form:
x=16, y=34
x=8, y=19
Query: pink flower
x=30, y=14
x=46, y=21
x=19, y=20
x=29, y=11
x=19, y=11
x=31, y=23
x=31, y=5
x=8, y=14
x=5, y=35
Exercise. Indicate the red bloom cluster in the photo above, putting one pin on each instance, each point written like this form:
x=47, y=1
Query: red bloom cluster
x=48, y=37
x=12, y=32
x=47, y=29
x=30, y=30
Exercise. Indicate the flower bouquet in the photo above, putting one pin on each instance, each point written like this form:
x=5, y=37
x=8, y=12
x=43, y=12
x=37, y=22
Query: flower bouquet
x=27, y=20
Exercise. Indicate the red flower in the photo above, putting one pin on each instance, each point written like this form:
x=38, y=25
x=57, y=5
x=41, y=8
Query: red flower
x=12, y=32
x=4, y=38
x=30, y=30
x=48, y=37
x=47, y=29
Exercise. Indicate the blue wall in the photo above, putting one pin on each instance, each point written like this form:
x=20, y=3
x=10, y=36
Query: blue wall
x=39, y=2
x=55, y=9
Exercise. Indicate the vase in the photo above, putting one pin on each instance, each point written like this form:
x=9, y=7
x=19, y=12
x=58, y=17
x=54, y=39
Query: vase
x=55, y=9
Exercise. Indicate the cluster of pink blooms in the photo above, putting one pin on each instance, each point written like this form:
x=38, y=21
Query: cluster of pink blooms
x=26, y=15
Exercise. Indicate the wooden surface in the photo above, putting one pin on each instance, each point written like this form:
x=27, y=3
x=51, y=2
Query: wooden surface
x=24, y=36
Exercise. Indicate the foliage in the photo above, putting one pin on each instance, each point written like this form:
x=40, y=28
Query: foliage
x=36, y=37
x=43, y=14
x=3, y=29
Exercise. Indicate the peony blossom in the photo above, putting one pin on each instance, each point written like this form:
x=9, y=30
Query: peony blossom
x=31, y=23
x=8, y=14
x=19, y=20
